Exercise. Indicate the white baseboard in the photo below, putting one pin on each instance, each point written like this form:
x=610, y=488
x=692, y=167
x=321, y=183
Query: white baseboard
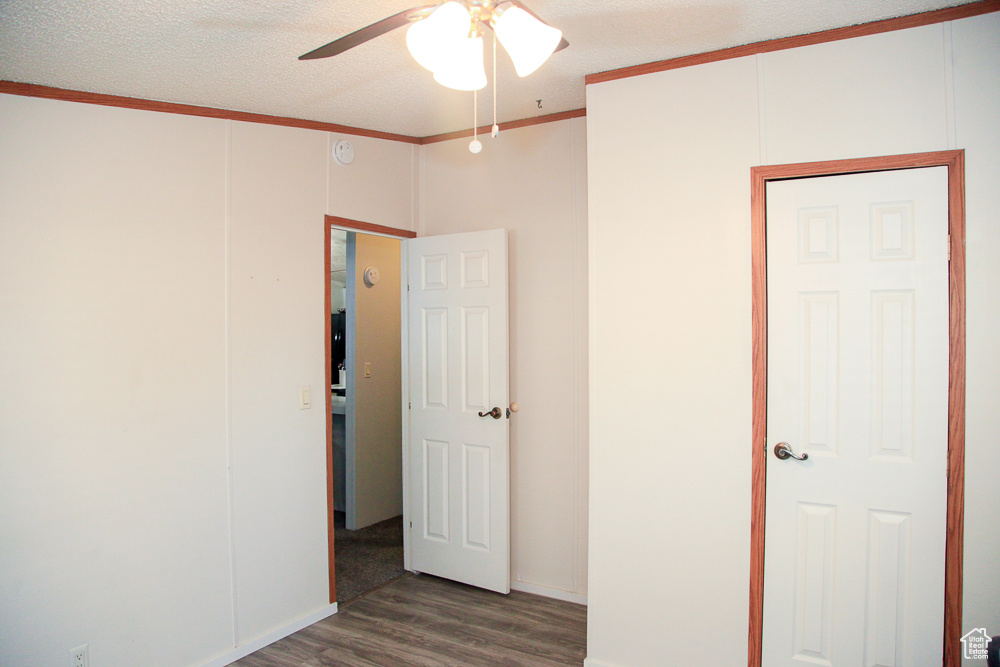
x=545, y=591
x=271, y=637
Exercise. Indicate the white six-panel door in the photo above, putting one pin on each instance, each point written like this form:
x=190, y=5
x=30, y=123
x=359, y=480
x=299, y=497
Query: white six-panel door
x=857, y=274
x=458, y=482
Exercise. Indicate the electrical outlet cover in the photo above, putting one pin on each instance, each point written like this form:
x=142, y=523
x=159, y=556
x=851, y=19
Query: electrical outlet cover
x=79, y=656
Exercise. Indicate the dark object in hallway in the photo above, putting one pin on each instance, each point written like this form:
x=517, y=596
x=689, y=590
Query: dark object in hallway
x=366, y=558
x=420, y=621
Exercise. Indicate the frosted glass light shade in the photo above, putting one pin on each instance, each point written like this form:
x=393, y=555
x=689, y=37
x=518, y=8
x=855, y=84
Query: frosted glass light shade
x=433, y=41
x=464, y=69
x=528, y=41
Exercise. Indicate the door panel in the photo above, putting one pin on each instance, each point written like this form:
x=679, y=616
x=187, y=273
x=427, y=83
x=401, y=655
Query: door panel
x=459, y=462
x=857, y=379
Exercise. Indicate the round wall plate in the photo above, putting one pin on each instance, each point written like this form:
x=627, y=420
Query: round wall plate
x=371, y=276
x=343, y=152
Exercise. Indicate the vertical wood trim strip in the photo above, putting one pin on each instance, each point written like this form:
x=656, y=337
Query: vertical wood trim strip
x=956, y=415
x=955, y=529
x=329, y=412
x=758, y=242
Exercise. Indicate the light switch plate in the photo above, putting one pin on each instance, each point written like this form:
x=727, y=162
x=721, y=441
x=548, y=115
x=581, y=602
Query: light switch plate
x=305, y=398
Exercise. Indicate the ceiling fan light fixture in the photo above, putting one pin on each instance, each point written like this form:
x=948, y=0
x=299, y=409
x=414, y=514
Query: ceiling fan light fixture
x=528, y=41
x=464, y=68
x=435, y=41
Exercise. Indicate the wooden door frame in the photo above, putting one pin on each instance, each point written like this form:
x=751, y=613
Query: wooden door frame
x=329, y=222
x=759, y=177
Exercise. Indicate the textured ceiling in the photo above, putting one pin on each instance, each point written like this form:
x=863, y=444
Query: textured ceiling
x=238, y=55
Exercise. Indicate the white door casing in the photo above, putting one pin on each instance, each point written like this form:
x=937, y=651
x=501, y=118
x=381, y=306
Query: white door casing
x=857, y=275
x=458, y=484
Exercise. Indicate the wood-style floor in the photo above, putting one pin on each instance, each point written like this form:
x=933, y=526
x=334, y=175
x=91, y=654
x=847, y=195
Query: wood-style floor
x=423, y=621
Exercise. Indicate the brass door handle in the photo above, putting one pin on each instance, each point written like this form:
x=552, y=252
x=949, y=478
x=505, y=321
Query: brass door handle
x=784, y=451
x=495, y=413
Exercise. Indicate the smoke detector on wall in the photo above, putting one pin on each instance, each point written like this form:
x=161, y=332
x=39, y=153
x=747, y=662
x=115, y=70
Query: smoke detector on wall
x=343, y=152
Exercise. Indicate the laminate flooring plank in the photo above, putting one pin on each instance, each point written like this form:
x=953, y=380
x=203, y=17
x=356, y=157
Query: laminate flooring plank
x=539, y=633
x=524, y=636
x=487, y=608
x=492, y=607
x=455, y=647
x=331, y=658
x=388, y=643
x=514, y=605
x=270, y=657
x=423, y=621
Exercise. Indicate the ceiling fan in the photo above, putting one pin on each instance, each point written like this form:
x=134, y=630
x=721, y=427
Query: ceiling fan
x=446, y=38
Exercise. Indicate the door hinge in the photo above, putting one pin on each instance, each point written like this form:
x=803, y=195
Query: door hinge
x=409, y=406
x=949, y=247
x=411, y=524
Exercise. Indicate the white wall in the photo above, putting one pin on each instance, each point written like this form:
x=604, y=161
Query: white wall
x=669, y=172
x=276, y=344
x=113, y=485
x=977, y=129
x=379, y=186
x=162, y=497
x=532, y=182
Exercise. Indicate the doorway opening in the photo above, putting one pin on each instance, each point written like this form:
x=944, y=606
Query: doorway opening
x=453, y=451
x=364, y=409
x=954, y=161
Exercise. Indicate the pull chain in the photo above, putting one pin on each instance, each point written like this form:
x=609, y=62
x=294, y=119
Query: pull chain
x=475, y=145
x=496, y=128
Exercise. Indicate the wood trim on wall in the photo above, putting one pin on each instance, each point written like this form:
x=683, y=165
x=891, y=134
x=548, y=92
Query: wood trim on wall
x=67, y=95
x=956, y=413
x=48, y=92
x=329, y=416
x=836, y=34
x=759, y=176
x=524, y=122
x=358, y=225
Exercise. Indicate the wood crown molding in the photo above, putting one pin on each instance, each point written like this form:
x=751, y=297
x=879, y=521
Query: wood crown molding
x=954, y=538
x=48, y=92
x=358, y=225
x=836, y=34
x=887, y=25
x=524, y=122
x=67, y=95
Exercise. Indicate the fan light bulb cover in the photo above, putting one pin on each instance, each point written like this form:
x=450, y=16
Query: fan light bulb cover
x=434, y=41
x=464, y=70
x=528, y=41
